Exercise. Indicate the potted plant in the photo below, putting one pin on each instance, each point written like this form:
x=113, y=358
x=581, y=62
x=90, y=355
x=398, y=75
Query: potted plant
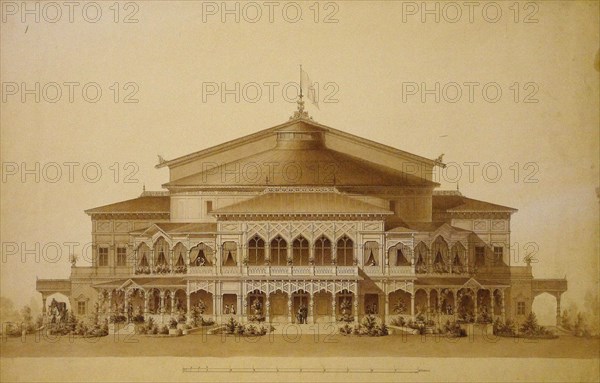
x=173, y=326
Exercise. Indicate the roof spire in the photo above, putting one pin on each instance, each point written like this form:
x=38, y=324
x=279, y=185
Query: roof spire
x=300, y=113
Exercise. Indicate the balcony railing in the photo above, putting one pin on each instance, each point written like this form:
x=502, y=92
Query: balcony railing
x=264, y=270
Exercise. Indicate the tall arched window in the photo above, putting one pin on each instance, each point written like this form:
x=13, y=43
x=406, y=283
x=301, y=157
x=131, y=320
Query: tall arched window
x=142, y=255
x=345, y=252
x=278, y=251
x=256, y=251
x=160, y=250
x=300, y=251
x=323, y=251
x=201, y=255
x=229, y=253
x=421, y=258
x=371, y=253
x=401, y=259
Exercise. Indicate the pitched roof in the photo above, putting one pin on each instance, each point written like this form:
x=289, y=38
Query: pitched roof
x=456, y=202
x=416, y=227
x=302, y=124
x=433, y=281
x=142, y=204
x=181, y=228
x=287, y=201
x=319, y=166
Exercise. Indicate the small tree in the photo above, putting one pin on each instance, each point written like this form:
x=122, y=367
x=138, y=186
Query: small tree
x=565, y=320
x=27, y=319
x=530, y=326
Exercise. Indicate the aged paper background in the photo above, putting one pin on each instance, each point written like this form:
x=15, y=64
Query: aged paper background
x=363, y=55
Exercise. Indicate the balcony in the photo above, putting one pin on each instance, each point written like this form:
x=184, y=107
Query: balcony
x=260, y=271
x=388, y=270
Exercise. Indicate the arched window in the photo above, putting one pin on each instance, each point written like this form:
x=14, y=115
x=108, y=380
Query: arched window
x=371, y=256
x=142, y=255
x=278, y=251
x=229, y=255
x=201, y=255
x=256, y=251
x=345, y=252
x=421, y=258
x=322, y=251
x=300, y=251
x=160, y=250
x=401, y=259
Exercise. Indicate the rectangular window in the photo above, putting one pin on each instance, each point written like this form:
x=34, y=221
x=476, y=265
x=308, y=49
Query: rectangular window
x=81, y=308
x=209, y=207
x=393, y=206
x=479, y=256
x=103, y=256
x=521, y=308
x=498, y=253
x=121, y=256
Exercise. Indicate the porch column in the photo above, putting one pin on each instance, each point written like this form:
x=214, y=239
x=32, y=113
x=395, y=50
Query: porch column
x=503, y=313
x=475, y=301
x=173, y=302
x=151, y=261
x=289, y=306
x=214, y=306
x=162, y=302
x=491, y=303
x=268, y=308
x=146, y=302
x=240, y=304
x=109, y=303
x=126, y=308
x=333, y=308
x=412, y=304
x=355, y=304
x=558, y=309
x=455, y=308
x=188, y=314
x=387, y=306
x=44, y=297
x=428, y=303
x=311, y=304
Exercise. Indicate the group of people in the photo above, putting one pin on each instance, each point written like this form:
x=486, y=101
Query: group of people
x=229, y=309
x=302, y=314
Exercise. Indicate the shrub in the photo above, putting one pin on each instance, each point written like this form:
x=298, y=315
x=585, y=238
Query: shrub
x=117, y=318
x=155, y=330
x=208, y=322
x=173, y=323
x=179, y=332
x=504, y=329
x=398, y=321
x=453, y=329
x=531, y=327
x=164, y=330
x=346, y=329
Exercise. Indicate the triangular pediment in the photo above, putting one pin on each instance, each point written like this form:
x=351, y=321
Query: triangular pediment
x=314, y=142
x=472, y=284
x=130, y=284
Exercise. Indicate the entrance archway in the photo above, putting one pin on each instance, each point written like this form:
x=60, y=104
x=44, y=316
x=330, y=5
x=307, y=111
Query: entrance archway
x=323, y=307
x=278, y=307
x=300, y=304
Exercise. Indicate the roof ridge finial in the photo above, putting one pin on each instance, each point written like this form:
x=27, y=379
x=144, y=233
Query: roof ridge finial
x=300, y=113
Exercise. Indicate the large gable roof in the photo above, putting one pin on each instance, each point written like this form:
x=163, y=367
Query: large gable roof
x=310, y=167
x=302, y=124
x=290, y=202
x=456, y=202
x=142, y=204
